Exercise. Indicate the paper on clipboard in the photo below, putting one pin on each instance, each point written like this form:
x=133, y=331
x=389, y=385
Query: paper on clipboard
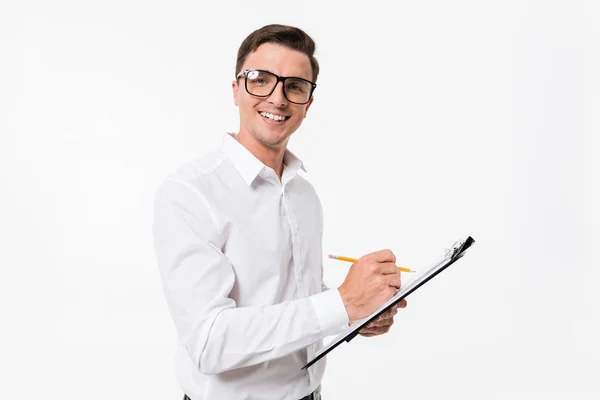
x=455, y=252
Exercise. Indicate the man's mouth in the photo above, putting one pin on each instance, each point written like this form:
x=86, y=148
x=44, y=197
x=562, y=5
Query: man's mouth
x=274, y=117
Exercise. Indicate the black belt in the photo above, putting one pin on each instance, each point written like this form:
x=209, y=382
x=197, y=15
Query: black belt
x=316, y=395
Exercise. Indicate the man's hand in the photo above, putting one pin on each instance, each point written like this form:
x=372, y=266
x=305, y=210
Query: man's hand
x=383, y=323
x=371, y=281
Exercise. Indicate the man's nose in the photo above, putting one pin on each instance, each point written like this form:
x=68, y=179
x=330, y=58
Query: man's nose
x=277, y=98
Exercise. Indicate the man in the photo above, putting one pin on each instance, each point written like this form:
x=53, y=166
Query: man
x=238, y=240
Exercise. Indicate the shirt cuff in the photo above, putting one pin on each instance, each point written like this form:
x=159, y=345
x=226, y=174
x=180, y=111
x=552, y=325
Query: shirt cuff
x=330, y=310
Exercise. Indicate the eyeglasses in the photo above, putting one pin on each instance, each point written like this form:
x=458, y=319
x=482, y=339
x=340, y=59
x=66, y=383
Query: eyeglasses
x=261, y=83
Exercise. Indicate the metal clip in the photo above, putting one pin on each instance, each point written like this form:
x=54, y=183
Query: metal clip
x=451, y=252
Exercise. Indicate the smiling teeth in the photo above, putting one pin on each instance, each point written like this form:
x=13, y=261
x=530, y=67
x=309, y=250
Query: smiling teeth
x=272, y=116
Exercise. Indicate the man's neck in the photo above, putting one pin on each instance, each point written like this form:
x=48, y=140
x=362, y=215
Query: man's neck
x=270, y=156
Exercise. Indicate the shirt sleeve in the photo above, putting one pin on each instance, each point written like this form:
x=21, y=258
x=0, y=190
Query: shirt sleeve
x=197, y=278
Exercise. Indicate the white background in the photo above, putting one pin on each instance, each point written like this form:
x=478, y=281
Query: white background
x=432, y=120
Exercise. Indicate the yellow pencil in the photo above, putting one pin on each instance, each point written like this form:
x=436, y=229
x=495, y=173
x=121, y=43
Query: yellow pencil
x=353, y=260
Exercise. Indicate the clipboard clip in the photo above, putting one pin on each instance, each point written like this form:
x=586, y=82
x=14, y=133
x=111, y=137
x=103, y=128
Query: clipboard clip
x=455, y=249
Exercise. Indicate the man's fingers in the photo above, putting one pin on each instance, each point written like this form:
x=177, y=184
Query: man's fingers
x=389, y=313
x=384, y=319
x=393, y=280
x=389, y=268
x=375, y=331
x=401, y=304
x=383, y=256
x=380, y=322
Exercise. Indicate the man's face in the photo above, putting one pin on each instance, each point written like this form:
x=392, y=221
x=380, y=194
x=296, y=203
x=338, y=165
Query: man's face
x=281, y=61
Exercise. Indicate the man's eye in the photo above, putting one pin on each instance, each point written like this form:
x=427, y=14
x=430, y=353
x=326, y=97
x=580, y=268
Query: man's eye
x=295, y=87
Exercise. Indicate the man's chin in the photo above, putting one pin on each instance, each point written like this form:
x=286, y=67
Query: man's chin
x=272, y=141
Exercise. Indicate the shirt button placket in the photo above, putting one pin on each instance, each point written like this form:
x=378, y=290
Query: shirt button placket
x=297, y=259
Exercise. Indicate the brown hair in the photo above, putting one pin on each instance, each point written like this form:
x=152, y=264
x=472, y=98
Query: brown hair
x=288, y=36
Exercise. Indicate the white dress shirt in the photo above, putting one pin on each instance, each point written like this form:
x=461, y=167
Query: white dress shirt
x=240, y=258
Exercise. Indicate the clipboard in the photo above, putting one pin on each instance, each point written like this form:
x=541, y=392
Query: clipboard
x=455, y=252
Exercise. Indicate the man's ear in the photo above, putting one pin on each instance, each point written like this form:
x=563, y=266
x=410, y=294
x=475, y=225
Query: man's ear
x=308, y=106
x=236, y=89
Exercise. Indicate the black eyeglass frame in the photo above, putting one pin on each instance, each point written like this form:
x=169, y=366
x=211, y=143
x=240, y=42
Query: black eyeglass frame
x=281, y=79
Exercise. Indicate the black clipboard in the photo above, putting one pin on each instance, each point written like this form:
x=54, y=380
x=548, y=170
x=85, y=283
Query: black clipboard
x=456, y=251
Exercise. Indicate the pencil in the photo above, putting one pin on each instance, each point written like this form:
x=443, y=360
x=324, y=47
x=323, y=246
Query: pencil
x=342, y=258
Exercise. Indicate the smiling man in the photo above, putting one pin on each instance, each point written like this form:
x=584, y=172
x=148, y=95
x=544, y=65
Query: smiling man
x=238, y=233
x=268, y=117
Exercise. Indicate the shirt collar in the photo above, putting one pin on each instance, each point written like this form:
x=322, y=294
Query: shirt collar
x=248, y=165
